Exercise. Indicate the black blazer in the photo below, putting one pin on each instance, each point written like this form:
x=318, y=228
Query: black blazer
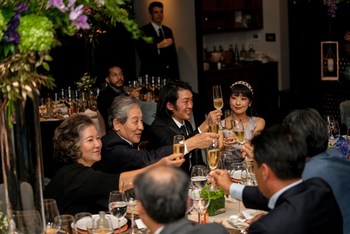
x=184, y=226
x=162, y=132
x=309, y=207
x=163, y=63
x=118, y=155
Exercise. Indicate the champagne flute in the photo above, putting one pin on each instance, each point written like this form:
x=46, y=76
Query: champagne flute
x=51, y=211
x=217, y=97
x=213, y=155
x=228, y=120
x=117, y=205
x=213, y=125
x=26, y=222
x=198, y=176
x=178, y=144
x=238, y=130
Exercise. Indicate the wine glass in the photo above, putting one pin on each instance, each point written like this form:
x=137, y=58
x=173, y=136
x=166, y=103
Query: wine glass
x=51, y=211
x=228, y=120
x=84, y=219
x=131, y=198
x=333, y=130
x=217, y=97
x=178, y=144
x=213, y=125
x=198, y=176
x=200, y=199
x=238, y=130
x=64, y=223
x=26, y=222
x=117, y=205
x=213, y=155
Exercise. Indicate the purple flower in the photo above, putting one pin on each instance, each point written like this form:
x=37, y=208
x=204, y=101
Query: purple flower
x=71, y=3
x=75, y=13
x=21, y=7
x=11, y=34
x=58, y=4
x=81, y=22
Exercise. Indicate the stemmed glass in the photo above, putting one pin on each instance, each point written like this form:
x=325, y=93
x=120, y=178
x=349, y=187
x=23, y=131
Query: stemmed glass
x=51, y=211
x=198, y=176
x=117, y=205
x=130, y=196
x=238, y=130
x=178, y=144
x=85, y=220
x=26, y=222
x=217, y=97
x=64, y=223
x=213, y=125
x=333, y=130
x=200, y=201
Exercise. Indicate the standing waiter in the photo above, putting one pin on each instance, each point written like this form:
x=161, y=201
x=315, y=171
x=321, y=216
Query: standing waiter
x=158, y=58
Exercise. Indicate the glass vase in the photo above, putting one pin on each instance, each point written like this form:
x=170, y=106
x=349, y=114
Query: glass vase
x=21, y=155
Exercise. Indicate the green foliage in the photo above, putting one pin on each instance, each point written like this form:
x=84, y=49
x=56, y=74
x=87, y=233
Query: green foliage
x=217, y=199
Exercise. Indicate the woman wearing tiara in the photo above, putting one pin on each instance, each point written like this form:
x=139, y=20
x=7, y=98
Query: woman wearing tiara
x=240, y=101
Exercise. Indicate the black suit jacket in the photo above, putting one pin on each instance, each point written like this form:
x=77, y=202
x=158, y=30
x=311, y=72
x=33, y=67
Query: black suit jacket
x=163, y=63
x=309, y=207
x=118, y=155
x=184, y=226
x=162, y=132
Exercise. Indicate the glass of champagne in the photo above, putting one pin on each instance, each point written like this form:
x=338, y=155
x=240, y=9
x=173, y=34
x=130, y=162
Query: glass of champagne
x=217, y=97
x=51, y=211
x=238, y=130
x=117, y=205
x=213, y=125
x=213, y=155
x=178, y=144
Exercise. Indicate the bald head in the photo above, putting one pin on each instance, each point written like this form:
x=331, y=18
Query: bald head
x=163, y=192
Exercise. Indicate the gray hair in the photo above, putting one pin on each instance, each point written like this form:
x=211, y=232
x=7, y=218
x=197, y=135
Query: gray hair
x=120, y=109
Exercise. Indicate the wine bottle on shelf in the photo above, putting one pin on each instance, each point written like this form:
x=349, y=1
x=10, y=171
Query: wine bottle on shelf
x=236, y=55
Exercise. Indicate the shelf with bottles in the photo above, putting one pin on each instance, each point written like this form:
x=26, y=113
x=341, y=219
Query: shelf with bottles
x=226, y=15
x=62, y=103
x=146, y=88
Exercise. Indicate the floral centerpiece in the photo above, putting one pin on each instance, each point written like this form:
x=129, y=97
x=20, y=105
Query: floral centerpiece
x=86, y=82
x=29, y=29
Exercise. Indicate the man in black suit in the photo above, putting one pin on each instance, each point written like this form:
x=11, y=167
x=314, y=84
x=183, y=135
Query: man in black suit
x=294, y=206
x=174, y=110
x=158, y=58
x=163, y=202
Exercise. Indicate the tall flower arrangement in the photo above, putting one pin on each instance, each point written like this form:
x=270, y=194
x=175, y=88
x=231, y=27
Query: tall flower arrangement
x=29, y=29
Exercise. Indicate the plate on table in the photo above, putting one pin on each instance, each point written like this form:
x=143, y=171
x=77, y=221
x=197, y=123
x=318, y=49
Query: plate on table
x=238, y=222
x=81, y=223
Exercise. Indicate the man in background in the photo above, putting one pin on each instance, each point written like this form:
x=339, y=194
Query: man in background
x=115, y=87
x=158, y=58
x=163, y=203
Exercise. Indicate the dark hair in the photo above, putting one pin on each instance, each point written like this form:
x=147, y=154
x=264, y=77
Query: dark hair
x=282, y=150
x=163, y=197
x=242, y=88
x=120, y=109
x=67, y=138
x=169, y=93
x=312, y=126
x=154, y=4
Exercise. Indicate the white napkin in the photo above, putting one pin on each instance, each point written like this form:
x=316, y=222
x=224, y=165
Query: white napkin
x=140, y=224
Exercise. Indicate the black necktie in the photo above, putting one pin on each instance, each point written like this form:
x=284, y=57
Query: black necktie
x=160, y=34
x=183, y=130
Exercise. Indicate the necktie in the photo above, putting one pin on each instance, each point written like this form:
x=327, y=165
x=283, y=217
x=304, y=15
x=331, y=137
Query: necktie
x=183, y=130
x=160, y=34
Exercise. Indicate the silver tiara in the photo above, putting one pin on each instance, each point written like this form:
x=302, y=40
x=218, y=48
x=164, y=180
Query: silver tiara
x=243, y=83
